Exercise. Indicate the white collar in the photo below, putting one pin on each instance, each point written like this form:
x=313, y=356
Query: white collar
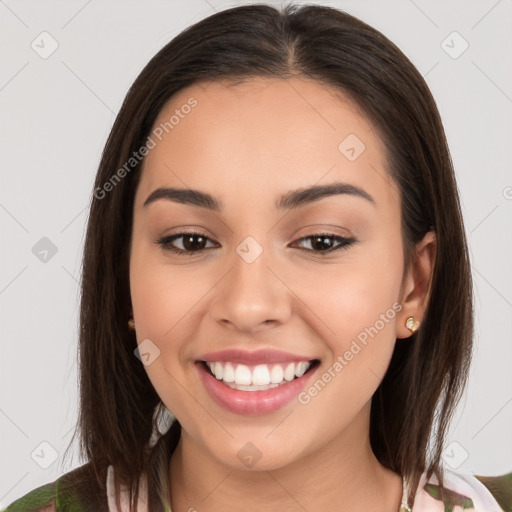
x=124, y=505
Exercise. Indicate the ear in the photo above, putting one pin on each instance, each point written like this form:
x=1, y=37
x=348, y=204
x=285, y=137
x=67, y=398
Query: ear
x=417, y=284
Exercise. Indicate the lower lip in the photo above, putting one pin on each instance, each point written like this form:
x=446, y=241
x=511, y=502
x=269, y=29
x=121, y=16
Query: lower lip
x=252, y=402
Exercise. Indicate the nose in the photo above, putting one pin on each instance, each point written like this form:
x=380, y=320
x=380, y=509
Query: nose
x=253, y=295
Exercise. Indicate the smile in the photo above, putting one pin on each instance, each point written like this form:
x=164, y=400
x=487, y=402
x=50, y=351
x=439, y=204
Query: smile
x=255, y=377
x=255, y=389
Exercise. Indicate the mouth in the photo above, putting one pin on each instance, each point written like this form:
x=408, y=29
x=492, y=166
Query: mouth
x=255, y=389
x=259, y=377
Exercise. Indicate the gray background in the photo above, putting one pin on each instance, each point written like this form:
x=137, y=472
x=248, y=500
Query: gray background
x=56, y=115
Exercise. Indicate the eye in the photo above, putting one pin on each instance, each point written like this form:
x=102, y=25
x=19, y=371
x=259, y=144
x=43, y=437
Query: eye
x=195, y=242
x=324, y=243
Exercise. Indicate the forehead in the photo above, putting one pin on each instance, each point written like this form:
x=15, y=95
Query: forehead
x=264, y=136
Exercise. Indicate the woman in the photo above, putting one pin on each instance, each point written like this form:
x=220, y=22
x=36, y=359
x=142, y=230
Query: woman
x=275, y=254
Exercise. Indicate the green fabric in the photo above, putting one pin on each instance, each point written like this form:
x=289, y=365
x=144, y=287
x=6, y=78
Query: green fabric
x=501, y=489
x=450, y=499
x=74, y=491
x=499, y=486
x=35, y=499
x=45, y=496
x=68, y=498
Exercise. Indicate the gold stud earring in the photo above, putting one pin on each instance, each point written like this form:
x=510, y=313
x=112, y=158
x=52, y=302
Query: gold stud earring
x=411, y=324
x=131, y=322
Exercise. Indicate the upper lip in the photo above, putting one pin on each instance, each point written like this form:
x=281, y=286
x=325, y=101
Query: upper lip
x=254, y=356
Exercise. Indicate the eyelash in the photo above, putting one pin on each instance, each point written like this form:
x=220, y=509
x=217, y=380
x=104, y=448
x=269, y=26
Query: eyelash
x=165, y=243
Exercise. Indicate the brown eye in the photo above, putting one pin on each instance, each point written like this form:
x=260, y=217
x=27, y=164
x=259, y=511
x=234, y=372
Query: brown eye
x=192, y=243
x=323, y=243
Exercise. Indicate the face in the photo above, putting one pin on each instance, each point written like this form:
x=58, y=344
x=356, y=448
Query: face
x=265, y=271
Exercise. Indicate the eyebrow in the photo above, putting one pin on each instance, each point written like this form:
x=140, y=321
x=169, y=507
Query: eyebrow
x=290, y=200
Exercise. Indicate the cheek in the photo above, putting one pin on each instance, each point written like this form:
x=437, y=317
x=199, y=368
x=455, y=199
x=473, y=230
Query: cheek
x=349, y=297
x=162, y=296
x=156, y=299
x=169, y=302
x=161, y=293
x=355, y=308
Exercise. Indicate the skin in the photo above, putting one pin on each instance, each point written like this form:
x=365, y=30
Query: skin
x=247, y=145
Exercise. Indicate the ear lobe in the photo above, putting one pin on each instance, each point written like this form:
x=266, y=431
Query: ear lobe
x=418, y=284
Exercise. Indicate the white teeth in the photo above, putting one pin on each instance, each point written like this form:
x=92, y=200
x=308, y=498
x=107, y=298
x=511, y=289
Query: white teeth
x=218, y=371
x=251, y=388
x=259, y=377
x=289, y=373
x=229, y=373
x=276, y=374
x=243, y=375
x=301, y=368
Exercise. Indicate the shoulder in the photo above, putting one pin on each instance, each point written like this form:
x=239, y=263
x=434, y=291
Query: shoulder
x=469, y=492
x=75, y=491
x=41, y=499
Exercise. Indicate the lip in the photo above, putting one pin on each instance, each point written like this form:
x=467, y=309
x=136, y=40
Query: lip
x=254, y=357
x=253, y=402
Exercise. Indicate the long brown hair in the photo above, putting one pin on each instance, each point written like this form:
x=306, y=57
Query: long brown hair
x=413, y=406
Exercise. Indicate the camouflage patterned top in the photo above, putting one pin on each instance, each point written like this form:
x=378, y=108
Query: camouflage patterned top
x=76, y=492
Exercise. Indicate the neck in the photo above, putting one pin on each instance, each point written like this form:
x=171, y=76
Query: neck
x=342, y=474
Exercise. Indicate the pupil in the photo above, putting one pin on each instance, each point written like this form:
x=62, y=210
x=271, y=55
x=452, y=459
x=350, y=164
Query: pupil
x=319, y=242
x=189, y=245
